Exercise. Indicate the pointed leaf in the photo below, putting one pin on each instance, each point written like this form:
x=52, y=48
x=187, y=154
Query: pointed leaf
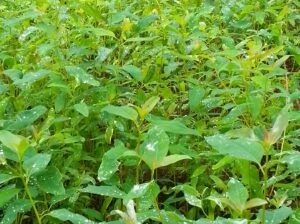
x=122, y=111
x=82, y=108
x=255, y=202
x=133, y=71
x=110, y=191
x=172, y=159
x=172, y=126
x=279, y=126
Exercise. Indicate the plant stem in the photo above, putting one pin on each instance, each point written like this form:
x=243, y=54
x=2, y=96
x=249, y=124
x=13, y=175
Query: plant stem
x=29, y=195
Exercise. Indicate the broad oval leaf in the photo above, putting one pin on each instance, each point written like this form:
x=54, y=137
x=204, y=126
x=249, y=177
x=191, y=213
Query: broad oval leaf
x=242, y=148
x=122, y=111
x=155, y=147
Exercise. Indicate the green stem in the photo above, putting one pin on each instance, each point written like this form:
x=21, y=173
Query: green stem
x=29, y=195
x=265, y=175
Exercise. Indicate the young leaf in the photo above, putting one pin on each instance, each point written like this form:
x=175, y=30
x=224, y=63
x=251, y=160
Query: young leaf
x=82, y=108
x=122, y=111
x=155, y=147
x=49, y=181
x=242, y=148
x=16, y=143
x=148, y=106
x=65, y=215
x=36, y=163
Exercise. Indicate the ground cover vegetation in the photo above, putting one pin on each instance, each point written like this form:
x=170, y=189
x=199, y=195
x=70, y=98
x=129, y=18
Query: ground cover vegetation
x=149, y=111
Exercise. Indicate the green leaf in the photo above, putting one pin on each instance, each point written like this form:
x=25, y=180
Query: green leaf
x=122, y=111
x=279, y=126
x=110, y=191
x=155, y=147
x=81, y=76
x=196, y=94
x=16, y=143
x=28, y=117
x=49, y=181
x=242, y=148
x=133, y=71
x=65, y=215
x=150, y=104
x=237, y=193
x=295, y=217
x=31, y=77
x=293, y=161
x=255, y=202
x=36, y=163
x=100, y=32
x=172, y=159
x=15, y=207
x=6, y=177
x=137, y=191
x=82, y=108
x=276, y=216
x=172, y=126
x=7, y=194
x=110, y=164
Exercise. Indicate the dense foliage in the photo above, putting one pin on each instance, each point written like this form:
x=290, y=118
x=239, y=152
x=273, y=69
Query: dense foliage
x=149, y=111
